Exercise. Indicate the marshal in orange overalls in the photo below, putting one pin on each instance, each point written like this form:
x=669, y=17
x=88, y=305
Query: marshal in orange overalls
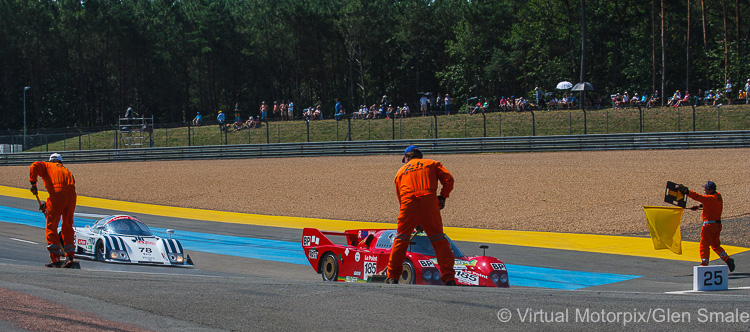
x=416, y=188
x=711, y=231
x=61, y=186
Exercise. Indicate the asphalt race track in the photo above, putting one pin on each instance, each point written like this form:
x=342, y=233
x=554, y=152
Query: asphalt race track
x=230, y=290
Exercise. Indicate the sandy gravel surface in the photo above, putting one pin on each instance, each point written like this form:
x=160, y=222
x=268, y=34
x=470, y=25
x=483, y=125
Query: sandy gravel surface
x=583, y=192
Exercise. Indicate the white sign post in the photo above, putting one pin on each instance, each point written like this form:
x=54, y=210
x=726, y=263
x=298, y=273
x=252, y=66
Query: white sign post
x=710, y=278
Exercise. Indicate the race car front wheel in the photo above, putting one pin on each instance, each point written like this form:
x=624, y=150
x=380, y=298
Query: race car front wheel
x=100, y=251
x=408, y=276
x=329, y=267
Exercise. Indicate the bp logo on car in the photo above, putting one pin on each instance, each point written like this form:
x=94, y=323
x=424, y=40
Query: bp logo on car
x=312, y=253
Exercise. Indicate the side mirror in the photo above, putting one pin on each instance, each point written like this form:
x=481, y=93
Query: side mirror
x=484, y=248
x=170, y=232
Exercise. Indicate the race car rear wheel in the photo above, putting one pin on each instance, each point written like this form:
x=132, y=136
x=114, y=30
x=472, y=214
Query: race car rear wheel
x=100, y=251
x=408, y=276
x=329, y=267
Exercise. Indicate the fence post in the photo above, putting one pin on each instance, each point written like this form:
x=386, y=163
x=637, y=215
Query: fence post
x=500, y=125
x=585, y=124
x=484, y=123
x=718, y=117
x=166, y=136
x=268, y=134
x=466, y=134
x=640, y=119
x=570, y=122
x=393, y=128
x=79, y=140
x=693, y=118
x=190, y=129
x=307, y=122
x=436, y=124
x=533, y=123
x=349, y=128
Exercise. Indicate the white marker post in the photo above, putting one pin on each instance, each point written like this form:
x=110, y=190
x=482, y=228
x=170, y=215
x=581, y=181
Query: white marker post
x=710, y=278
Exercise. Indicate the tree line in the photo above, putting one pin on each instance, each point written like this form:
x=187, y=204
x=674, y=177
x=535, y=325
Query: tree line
x=87, y=61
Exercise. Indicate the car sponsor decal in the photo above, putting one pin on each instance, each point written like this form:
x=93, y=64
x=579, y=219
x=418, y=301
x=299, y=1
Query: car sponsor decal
x=362, y=234
x=81, y=242
x=356, y=257
x=312, y=253
x=141, y=240
x=370, y=268
x=346, y=252
x=306, y=241
x=426, y=263
x=497, y=266
x=467, y=278
x=371, y=258
x=357, y=273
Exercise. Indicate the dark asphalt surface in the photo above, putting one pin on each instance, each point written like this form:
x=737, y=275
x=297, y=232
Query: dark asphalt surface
x=231, y=293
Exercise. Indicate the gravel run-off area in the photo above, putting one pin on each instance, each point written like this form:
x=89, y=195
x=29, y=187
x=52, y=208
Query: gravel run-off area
x=599, y=192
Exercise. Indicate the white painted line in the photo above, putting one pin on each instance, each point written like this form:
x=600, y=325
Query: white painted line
x=707, y=292
x=24, y=241
x=89, y=215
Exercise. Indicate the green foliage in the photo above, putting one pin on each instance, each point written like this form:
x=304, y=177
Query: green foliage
x=88, y=61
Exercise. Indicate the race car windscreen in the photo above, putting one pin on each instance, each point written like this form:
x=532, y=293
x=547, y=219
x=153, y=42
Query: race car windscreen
x=421, y=244
x=128, y=227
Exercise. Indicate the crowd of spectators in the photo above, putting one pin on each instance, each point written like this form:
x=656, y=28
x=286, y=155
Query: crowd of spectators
x=438, y=104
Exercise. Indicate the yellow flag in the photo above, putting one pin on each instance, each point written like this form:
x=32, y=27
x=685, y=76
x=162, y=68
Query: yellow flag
x=664, y=226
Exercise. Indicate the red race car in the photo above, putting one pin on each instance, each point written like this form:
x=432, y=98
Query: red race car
x=366, y=253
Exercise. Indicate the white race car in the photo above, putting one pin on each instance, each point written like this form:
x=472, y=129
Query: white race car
x=125, y=239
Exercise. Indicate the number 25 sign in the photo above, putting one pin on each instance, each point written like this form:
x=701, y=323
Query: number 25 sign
x=710, y=278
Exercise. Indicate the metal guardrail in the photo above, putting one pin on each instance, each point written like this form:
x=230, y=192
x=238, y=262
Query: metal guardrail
x=648, y=141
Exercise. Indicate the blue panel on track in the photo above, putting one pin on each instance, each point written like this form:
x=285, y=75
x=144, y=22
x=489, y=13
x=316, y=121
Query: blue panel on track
x=291, y=252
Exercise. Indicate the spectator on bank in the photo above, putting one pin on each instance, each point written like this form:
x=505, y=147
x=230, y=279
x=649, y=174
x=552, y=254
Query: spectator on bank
x=448, y=102
x=433, y=102
x=551, y=104
x=198, y=119
x=317, y=113
x=675, y=97
x=404, y=111
x=440, y=104
x=479, y=107
x=251, y=123
x=747, y=89
x=717, y=98
x=654, y=99
x=685, y=100
x=129, y=113
x=699, y=97
x=237, y=124
x=340, y=114
x=423, y=105
x=283, y=109
x=741, y=95
x=221, y=118
x=290, y=110
x=538, y=95
x=263, y=111
x=728, y=92
x=635, y=101
x=337, y=109
x=276, y=110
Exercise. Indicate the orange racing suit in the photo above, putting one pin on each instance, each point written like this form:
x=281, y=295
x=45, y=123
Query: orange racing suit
x=61, y=186
x=712, y=206
x=416, y=188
